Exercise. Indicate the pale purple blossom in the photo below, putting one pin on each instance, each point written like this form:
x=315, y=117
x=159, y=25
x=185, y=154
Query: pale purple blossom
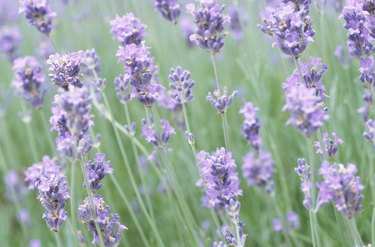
x=38, y=13
x=170, y=9
x=128, y=29
x=369, y=134
x=221, y=101
x=151, y=135
x=181, y=85
x=330, y=145
x=96, y=170
x=251, y=125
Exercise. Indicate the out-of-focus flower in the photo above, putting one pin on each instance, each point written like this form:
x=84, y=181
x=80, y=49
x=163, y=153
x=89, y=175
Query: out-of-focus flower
x=15, y=188
x=251, y=125
x=220, y=177
x=187, y=28
x=151, y=135
x=330, y=145
x=109, y=223
x=369, y=134
x=38, y=13
x=210, y=21
x=10, y=39
x=277, y=225
x=170, y=9
x=28, y=79
x=341, y=186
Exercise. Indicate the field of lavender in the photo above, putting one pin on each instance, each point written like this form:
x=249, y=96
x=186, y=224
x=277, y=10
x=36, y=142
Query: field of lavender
x=187, y=123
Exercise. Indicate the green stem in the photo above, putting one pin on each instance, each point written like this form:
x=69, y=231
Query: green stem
x=58, y=240
x=225, y=129
x=72, y=200
x=355, y=234
x=213, y=59
x=30, y=134
x=373, y=227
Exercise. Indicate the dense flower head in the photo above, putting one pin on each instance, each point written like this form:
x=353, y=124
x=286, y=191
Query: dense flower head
x=181, y=85
x=304, y=173
x=148, y=94
x=15, y=188
x=10, y=39
x=109, y=223
x=123, y=88
x=28, y=79
x=151, y=135
x=38, y=13
x=369, y=134
x=51, y=184
x=307, y=113
x=258, y=168
x=221, y=101
x=330, y=145
x=251, y=125
x=220, y=177
x=71, y=119
x=128, y=29
x=290, y=25
x=96, y=170
x=139, y=64
x=210, y=22
x=170, y=9
x=341, y=186
x=64, y=70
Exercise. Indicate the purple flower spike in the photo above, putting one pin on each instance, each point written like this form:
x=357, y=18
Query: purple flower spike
x=15, y=188
x=330, y=145
x=304, y=173
x=307, y=113
x=123, y=88
x=210, y=22
x=64, y=70
x=38, y=13
x=53, y=190
x=293, y=220
x=251, y=125
x=128, y=29
x=220, y=177
x=258, y=169
x=28, y=79
x=10, y=40
x=187, y=28
x=181, y=85
x=71, y=119
x=342, y=187
x=170, y=9
x=151, y=135
x=96, y=170
x=235, y=22
x=277, y=225
x=109, y=223
x=221, y=101
x=369, y=134
x=367, y=70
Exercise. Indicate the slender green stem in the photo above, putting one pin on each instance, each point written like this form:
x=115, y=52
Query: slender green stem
x=30, y=134
x=312, y=227
x=213, y=59
x=91, y=200
x=355, y=234
x=72, y=199
x=58, y=240
x=225, y=129
x=373, y=227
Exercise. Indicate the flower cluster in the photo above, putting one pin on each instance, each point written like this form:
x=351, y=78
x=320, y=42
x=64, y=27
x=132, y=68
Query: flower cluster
x=170, y=9
x=210, y=22
x=218, y=170
x=96, y=170
x=109, y=223
x=123, y=88
x=293, y=222
x=306, y=109
x=290, y=25
x=304, y=173
x=28, y=79
x=341, y=186
x=258, y=169
x=71, y=119
x=221, y=101
x=47, y=178
x=151, y=135
x=128, y=29
x=15, y=188
x=251, y=125
x=181, y=85
x=367, y=71
x=330, y=145
x=10, y=39
x=38, y=13
x=369, y=134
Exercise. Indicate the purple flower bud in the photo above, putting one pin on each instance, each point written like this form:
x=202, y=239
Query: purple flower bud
x=128, y=29
x=181, y=85
x=35, y=243
x=293, y=220
x=210, y=22
x=187, y=28
x=170, y=9
x=28, y=79
x=258, y=169
x=330, y=145
x=221, y=101
x=220, y=177
x=235, y=22
x=341, y=186
x=15, y=188
x=123, y=88
x=38, y=13
x=151, y=135
x=304, y=173
x=251, y=125
x=109, y=223
x=96, y=170
x=369, y=134
x=367, y=70
x=10, y=40
x=277, y=225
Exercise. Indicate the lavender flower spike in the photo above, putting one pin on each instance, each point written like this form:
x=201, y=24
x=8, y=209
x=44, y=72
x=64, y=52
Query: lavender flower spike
x=109, y=223
x=170, y=9
x=128, y=29
x=96, y=170
x=251, y=125
x=181, y=85
x=219, y=101
x=369, y=134
x=38, y=13
x=151, y=135
x=220, y=177
x=341, y=186
x=304, y=173
x=28, y=79
x=258, y=169
x=15, y=188
x=210, y=22
x=10, y=39
x=330, y=145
